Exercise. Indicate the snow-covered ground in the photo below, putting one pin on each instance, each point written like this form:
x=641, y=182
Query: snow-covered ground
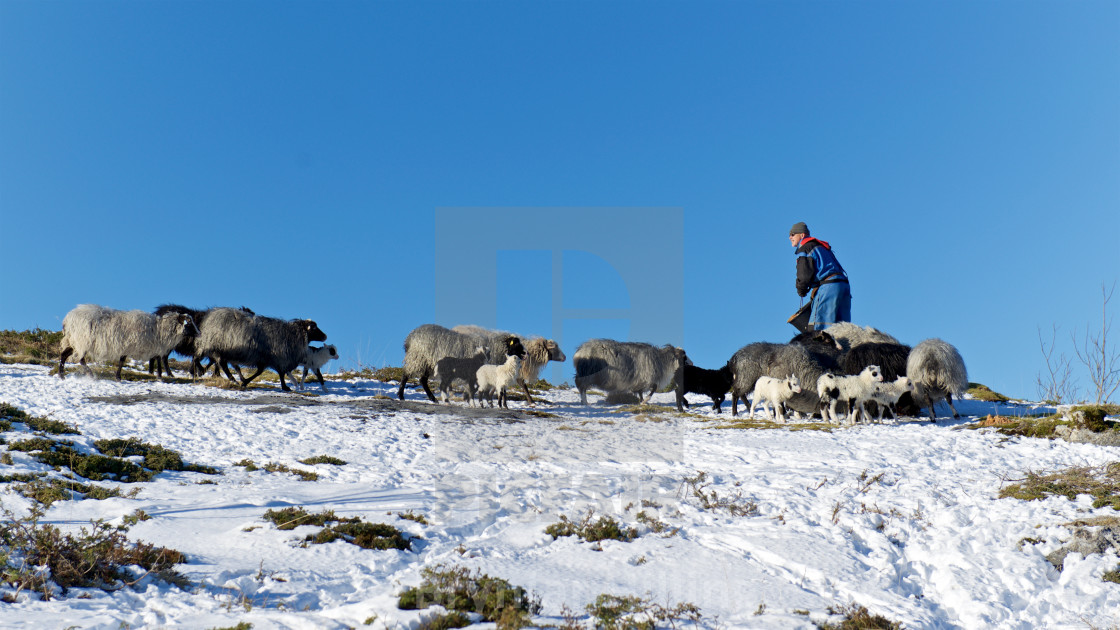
x=901, y=518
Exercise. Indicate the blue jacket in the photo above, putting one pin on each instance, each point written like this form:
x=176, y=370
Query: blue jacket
x=816, y=265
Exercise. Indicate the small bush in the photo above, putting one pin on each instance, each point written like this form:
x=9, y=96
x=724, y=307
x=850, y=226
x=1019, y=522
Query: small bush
x=156, y=458
x=445, y=622
x=856, y=617
x=38, y=346
x=293, y=517
x=629, y=612
x=47, y=492
x=306, y=475
x=605, y=528
x=1102, y=483
x=322, y=459
x=1112, y=576
x=457, y=589
x=412, y=516
x=709, y=500
x=352, y=530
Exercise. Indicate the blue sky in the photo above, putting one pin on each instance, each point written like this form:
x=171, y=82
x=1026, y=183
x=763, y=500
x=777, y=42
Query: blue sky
x=963, y=158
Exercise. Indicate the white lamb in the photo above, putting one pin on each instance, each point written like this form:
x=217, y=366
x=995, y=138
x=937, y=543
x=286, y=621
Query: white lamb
x=776, y=391
x=314, y=360
x=855, y=391
x=886, y=395
x=498, y=378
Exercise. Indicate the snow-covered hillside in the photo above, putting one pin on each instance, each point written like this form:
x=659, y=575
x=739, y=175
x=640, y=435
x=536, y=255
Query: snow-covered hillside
x=902, y=518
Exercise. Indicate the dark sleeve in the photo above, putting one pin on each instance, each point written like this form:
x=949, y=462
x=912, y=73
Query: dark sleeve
x=806, y=271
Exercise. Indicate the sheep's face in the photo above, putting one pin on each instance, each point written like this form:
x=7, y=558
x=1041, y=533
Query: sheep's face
x=872, y=373
x=185, y=324
x=332, y=351
x=905, y=384
x=313, y=332
x=794, y=384
x=514, y=347
x=555, y=353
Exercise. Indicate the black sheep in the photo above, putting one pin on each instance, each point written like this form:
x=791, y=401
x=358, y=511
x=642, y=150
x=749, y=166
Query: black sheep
x=712, y=383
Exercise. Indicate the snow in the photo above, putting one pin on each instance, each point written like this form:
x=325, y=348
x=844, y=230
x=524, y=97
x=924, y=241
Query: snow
x=902, y=518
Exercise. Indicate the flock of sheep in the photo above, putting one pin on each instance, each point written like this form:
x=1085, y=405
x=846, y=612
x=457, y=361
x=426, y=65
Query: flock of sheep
x=843, y=372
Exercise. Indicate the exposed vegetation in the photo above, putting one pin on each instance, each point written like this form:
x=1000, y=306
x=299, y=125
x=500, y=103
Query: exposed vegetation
x=629, y=612
x=323, y=459
x=1102, y=483
x=97, y=557
x=352, y=529
x=697, y=488
x=983, y=392
x=1088, y=417
x=38, y=346
x=47, y=492
x=10, y=414
x=459, y=590
x=274, y=467
x=603, y=528
x=856, y=617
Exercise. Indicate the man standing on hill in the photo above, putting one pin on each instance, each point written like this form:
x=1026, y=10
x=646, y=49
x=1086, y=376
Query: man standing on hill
x=818, y=270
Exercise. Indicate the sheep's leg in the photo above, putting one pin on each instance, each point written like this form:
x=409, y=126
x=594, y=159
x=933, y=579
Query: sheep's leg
x=583, y=397
x=166, y=360
x=153, y=365
x=283, y=385
x=528, y=397
x=319, y=375
x=66, y=352
x=400, y=391
x=120, y=366
x=949, y=400
x=260, y=370
x=89, y=370
x=427, y=390
x=219, y=364
x=932, y=413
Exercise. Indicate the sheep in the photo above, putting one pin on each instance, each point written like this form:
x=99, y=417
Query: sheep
x=627, y=366
x=823, y=347
x=538, y=352
x=234, y=336
x=853, y=391
x=891, y=359
x=850, y=335
x=776, y=360
x=92, y=332
x=450, y=368
x=427, y=344
x=775, y=391
x=314, y=358
x=185, y=347
x=938, y=371
x=887, y=394
x=712, y=383
x=498, y=378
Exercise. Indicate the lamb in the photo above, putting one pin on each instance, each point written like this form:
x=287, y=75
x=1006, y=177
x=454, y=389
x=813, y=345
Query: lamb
x=450, y=368
x=850, y=335
x=627, y=366
x=498, y=378
x=712, y=383
x=314, y=358
x=775, y=391
x=538, y=352
x=891, y=359
x=427, y=344
x=234, y=336
x=854, y=391
x=92, y=332
x=778, y=361
x=886, y=394
x=938, y=371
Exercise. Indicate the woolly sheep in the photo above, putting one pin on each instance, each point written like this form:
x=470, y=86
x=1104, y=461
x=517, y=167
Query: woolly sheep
x=886, y=394
x=850, y=335
x=450, y=368
x=314, y=358
x=938, y=371
x=778, y=361
x=891, y=359
x=538, y=352
x=823, y=347
x=853, y=391
x=627, y=366
x=712, y=383
x=775, y=391
x=186, y=347
x=427, y=344
x=234, y=336
x=498, y=378
x=96, y=333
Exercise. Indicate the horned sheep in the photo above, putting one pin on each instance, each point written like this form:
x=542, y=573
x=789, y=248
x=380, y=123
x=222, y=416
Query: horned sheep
x=627, y=366
x=96, y=333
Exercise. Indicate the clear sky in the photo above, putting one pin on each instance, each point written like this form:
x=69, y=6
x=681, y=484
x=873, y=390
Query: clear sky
x=963, y=158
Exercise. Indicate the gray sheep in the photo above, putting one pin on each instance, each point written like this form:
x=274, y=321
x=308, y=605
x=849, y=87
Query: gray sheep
x=95, y=333
x=938, y=372
x=538, y=352
x=234, y=336
x=450, y=368
x=778, y=361
x=427, y=344
x=850, y=335
x=626, y=366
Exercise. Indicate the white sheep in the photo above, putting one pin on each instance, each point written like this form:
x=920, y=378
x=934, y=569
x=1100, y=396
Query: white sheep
x=313, y=361
x=95, y=333
x=776, y=391
x=886, y=395
x=498, y=378
x=855, y=391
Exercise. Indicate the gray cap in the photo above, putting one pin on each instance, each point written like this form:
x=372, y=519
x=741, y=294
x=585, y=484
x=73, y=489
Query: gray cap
x=799, y=228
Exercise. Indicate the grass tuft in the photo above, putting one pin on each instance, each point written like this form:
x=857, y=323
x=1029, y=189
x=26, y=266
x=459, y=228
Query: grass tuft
x=604, y=528
x=856, y=617
x=322, y=459
x=352, y=530
x=458, y=590
x=1100, y=482
x=985, y=393
x=629, y=612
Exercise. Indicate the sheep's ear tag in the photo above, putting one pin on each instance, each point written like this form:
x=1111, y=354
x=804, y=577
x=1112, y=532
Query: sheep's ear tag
x=511, y=343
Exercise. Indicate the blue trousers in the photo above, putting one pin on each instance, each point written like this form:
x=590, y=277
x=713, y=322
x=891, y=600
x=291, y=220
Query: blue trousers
x=832, y=304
